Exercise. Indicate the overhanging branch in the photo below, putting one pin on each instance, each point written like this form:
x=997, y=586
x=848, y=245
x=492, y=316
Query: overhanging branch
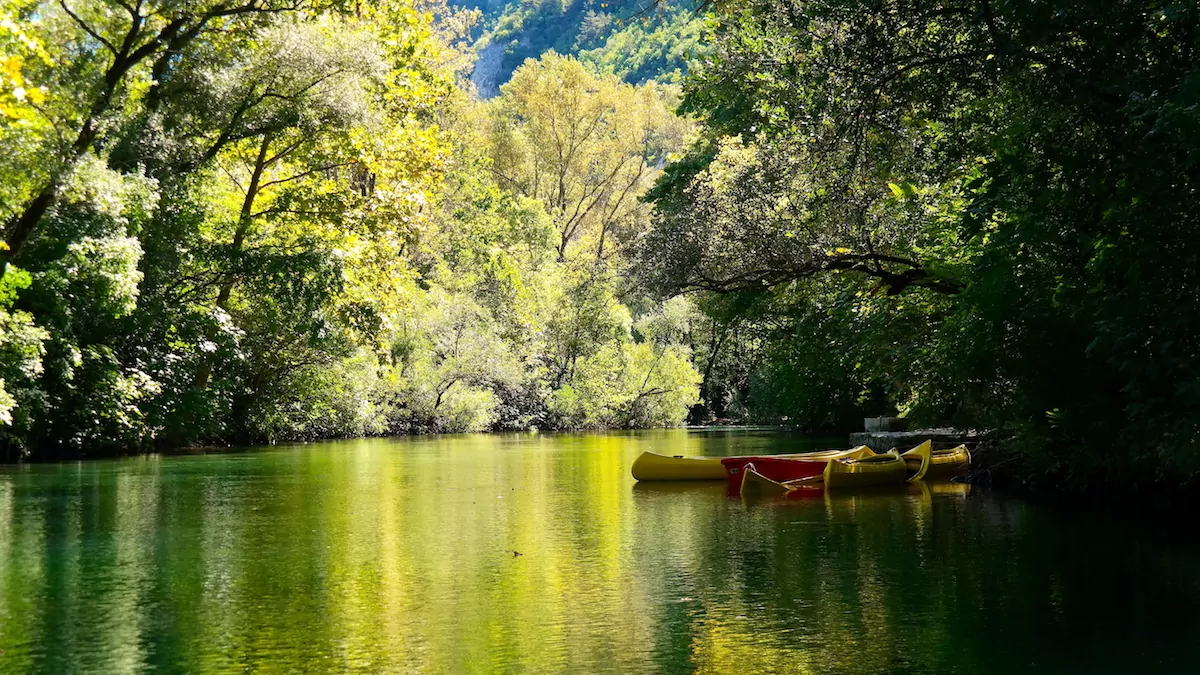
x=876, y=266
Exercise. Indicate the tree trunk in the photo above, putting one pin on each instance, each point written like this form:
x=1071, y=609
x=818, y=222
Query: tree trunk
x=705, y=407
x=245, y=219
x=23, y=224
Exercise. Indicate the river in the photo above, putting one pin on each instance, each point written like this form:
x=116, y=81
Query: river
x=539, y=553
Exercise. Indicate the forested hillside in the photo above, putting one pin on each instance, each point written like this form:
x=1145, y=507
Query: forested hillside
x=636, y=40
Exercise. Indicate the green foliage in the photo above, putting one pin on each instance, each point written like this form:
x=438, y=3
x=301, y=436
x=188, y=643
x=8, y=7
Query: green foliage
x=21, y=348
x=279, y=220
x=446, y=361
x=291, y=228
x=630, y=385
x=19, y=95
x=1031, y=165
x=647, y=48
x=585, y=146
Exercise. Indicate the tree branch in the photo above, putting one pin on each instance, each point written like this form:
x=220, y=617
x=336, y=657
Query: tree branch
x=86, y=28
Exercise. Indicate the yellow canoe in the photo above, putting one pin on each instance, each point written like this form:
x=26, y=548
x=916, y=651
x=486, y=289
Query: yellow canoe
x=884, y=469
x=653, y=466
x=918, y=461
x=949, y=463
x=754, y=484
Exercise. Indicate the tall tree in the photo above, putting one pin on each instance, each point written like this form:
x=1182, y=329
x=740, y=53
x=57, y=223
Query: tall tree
x=585, y=146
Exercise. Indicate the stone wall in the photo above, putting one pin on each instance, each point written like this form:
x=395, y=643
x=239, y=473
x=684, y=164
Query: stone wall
x=881, y=441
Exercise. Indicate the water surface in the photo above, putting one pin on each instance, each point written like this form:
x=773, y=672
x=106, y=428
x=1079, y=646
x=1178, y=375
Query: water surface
x=537, y=553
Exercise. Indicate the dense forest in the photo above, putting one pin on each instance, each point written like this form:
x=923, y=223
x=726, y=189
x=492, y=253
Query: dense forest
x=247, y=222
x=232, y=221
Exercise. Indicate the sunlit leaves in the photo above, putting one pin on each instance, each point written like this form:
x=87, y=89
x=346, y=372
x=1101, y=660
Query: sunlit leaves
x=18, y=43
x=285, y=222
x=585, y=146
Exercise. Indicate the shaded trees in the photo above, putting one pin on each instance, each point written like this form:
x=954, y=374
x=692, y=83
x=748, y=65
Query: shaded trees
x=1035, y=161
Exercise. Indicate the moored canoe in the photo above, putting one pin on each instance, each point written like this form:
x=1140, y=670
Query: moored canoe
x=778, y=469
x=949, y=463
x=653, y=466
x=885, y=469
x=783, y=468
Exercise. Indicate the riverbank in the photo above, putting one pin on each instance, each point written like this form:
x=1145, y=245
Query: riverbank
x=995, y=463
x=9, y=456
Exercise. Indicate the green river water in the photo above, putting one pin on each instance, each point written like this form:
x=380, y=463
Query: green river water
x=397, y=555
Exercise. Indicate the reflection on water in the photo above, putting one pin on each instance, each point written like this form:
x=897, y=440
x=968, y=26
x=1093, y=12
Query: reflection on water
x=540, y=554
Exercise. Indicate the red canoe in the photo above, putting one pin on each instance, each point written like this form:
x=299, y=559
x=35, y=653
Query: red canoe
x=779, y=469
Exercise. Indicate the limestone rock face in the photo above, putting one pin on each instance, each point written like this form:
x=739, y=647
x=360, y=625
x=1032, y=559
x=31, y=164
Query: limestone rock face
x=487, y=71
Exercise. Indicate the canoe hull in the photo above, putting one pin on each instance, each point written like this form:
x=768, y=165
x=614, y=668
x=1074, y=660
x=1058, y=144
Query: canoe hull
x=944, y=463
x=785, y=468
x=778, y=469
x=917, y=461
x=653, y=466
x=949, y=463
x=755, y=484
x=887, y=469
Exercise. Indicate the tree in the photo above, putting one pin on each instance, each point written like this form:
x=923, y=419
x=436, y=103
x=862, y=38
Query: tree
x=758, y=215
x=585, y=146
x=115, y=43
x=313, y=85
x=245, y=212
x=256, y=222
x=18, y=95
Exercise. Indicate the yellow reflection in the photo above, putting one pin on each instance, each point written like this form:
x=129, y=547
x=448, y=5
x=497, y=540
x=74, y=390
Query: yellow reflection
x=949, y=489
x=517, y=553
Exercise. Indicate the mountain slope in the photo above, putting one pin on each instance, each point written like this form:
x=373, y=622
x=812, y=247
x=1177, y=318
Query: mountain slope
x=636, y=41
